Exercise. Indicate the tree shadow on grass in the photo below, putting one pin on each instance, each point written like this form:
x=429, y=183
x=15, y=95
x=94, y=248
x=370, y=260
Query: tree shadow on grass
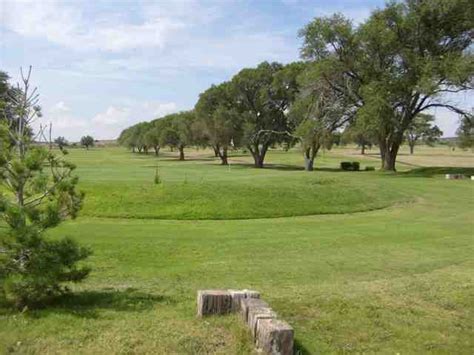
x=433, y=171
x=88, y=304
x=267, y=166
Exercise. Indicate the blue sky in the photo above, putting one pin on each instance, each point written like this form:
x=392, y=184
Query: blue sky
x=101, y=66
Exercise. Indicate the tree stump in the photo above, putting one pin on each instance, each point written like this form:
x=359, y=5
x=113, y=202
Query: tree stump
x=275, y=337
x=239, y=295
x=255, y=314
x=248, y=303
x=213, y=302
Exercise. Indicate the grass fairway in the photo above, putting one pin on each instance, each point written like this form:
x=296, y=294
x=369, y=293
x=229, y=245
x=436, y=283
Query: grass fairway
x=355, y=262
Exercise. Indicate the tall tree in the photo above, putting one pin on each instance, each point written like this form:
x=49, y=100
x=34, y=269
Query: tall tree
x=218, y=122
x=317, y=113
x=178, y=133
x=87, y=141
x=152, y=136
x=61, y=142
x=422, y=128
x=399, y=63
x=465, y=132
x=360, y=135
x=263, y=96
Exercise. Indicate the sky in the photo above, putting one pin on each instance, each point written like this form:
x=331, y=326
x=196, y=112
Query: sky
x=101, y=66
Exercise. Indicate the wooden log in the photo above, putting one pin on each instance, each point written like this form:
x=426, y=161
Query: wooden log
x=248, y=303
x=275, y=337
x=239, y=295
x=255, y=314
x=213, y=302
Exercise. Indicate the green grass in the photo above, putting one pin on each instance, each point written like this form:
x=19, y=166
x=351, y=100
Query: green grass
x=396, y=278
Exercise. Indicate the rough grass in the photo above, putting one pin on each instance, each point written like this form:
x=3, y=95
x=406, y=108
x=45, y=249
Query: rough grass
x=393, y=280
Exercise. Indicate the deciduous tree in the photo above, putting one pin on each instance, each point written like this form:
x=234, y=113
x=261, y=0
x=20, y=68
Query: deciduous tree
x=317, y=113
x=218, y=121
x=465, y=132
x=263, y=96
x=422, y=128
x=87, y=141
x=399, y=63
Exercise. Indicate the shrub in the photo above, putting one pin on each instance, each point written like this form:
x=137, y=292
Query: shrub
x=369, y=168
x=346, y=165
x=350, y=166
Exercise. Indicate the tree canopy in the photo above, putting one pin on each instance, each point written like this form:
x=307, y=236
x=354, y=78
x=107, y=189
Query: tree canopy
x=397, y=64
x=377, y=78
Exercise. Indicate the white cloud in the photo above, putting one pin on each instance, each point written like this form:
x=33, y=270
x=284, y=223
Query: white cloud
x=67, y=26
x=104, y=125
x=112, y=116
x=60, y=107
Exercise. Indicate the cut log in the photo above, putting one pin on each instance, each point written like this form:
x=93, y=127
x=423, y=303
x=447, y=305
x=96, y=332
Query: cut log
x=239, y=295
x=248, y=303
x=255, y=314
x=213, y=302
x=275, y=337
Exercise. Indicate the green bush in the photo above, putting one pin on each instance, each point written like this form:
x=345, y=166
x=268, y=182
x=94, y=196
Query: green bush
x=346, y=165
x=350, y=166
x=369, y=168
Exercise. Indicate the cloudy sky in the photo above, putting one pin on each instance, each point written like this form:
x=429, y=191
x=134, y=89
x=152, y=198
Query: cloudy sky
x=101, y=66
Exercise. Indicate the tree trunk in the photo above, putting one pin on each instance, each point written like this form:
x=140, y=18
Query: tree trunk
x=390, y=159
x=412, y=148
x=308, y=164
x=258, y=154
x=157, y=150
x=362, y=149
x=223, y=156
x=309, y=155
x=216, y=150
x=181, y=153
x=388, y=153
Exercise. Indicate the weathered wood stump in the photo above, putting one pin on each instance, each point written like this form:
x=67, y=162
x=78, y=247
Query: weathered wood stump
x=213, y=302
x=275, y=337
x=248, y=303
x=271, y=335
x=255, y=314
x=239, y=295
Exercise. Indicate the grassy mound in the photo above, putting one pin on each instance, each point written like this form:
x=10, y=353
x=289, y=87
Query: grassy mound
x=264, y=198
x=119, y=184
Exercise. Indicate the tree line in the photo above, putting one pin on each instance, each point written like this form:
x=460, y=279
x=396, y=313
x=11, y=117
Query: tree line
x=376, y=80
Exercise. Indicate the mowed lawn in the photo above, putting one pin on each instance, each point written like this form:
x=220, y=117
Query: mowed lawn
x=355, y=261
